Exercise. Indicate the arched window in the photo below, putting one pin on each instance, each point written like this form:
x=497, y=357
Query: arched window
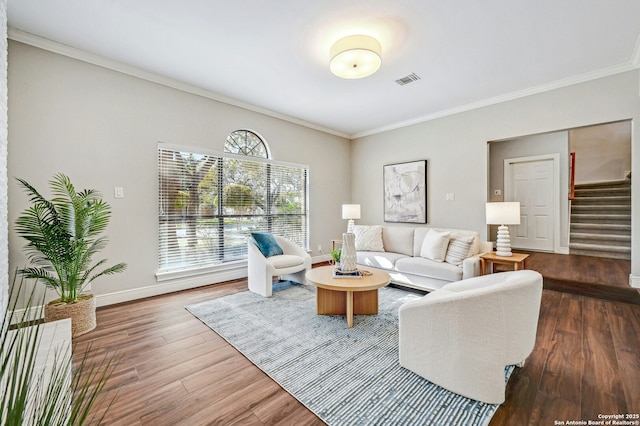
x=246, y=142
x=210, y=202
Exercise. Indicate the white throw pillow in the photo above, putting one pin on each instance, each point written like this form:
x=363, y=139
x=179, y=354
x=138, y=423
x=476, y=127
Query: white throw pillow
x=458, y=250
x=435, y=245
x=368, y=238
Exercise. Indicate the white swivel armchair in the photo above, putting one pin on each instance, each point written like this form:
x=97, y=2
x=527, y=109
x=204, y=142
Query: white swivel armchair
x=292, y=265
x=462, y=336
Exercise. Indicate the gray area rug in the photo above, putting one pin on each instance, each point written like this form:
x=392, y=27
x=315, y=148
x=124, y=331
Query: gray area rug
x=346, y=376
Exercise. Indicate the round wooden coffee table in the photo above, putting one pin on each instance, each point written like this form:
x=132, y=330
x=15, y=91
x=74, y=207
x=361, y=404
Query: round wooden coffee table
x=347, y=296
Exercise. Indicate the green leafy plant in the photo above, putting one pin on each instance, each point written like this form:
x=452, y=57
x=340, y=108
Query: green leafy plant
x=335, y=256
x=55, y=395
x=63, y=235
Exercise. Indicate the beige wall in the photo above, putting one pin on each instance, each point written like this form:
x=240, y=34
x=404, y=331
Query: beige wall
x=603, y=153
x=102, y=128
x=456, y=148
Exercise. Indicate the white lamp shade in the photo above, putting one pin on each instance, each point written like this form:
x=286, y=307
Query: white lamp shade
x=355, y=56
x=504, y=213
x=351, y=211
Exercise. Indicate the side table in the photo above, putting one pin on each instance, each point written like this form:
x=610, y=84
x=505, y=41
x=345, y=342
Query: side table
x=516, y=260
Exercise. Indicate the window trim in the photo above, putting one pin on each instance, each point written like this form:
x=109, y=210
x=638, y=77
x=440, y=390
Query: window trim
x=267, y=149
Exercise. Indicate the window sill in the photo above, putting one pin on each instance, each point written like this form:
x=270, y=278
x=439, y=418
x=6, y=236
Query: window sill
x=177, y=274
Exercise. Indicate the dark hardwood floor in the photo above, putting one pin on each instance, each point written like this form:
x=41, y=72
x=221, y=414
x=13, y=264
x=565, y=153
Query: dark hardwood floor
x=585, y=275
x=175, y=371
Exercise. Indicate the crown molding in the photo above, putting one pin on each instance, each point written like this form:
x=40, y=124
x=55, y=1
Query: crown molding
x=91, y=58
x=65, y=50
x=593, y=75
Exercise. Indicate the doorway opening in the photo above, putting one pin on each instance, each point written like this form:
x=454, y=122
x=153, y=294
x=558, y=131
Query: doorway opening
x=591, y=193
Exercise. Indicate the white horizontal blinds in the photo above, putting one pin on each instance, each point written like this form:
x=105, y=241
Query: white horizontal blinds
x=209, y=204
x=188, y=220
x=288, y=202
x=244, y=190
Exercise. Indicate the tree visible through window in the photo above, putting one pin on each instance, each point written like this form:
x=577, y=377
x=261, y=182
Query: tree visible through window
x=210, y=202
x=245, y=142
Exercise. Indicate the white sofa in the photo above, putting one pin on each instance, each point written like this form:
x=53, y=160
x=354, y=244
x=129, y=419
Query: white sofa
x=462, y=336
x=397, y=250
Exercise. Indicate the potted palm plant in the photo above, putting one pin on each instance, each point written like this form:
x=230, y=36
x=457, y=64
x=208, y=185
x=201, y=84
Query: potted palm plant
x=63, y=235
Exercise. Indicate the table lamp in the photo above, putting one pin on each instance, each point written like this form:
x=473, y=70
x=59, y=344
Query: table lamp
x=503, y=213
x=350, y=211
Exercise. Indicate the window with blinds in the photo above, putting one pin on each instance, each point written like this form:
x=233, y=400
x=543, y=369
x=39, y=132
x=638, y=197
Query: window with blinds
x=209, y=203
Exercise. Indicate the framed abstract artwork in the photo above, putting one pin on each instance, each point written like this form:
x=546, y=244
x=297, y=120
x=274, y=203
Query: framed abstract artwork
x=405, y=192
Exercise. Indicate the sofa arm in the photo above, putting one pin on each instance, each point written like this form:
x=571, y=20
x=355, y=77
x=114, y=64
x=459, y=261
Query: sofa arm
x=471, y=267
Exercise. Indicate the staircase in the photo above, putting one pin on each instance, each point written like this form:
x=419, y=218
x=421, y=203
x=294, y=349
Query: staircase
x=601, y=220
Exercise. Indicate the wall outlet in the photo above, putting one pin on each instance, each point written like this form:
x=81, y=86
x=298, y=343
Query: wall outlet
x=319, y=248
x=450, y=196
x=497, y=192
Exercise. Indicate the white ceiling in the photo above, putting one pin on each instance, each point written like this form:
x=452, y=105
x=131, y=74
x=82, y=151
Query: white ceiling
x=274, y=55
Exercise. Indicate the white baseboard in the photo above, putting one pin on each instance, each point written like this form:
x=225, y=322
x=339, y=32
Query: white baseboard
x=164, y=287
x=229, y=272
x=634, y=281
x=321, y=258
x=170, y=287
x=33, y=314
x=562, y=250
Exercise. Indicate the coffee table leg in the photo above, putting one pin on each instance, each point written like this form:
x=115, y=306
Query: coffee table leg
x=350, y=308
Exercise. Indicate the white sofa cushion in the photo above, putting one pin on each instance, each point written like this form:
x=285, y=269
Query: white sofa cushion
x=475, y=244
x=434, y=246
x=422, y=266
x=458, y=249
x=398, y=239
x=368, y=238
x=384, y=260
x=421, y=232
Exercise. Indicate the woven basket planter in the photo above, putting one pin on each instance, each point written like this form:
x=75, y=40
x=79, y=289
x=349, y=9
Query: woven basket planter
x=82, y=313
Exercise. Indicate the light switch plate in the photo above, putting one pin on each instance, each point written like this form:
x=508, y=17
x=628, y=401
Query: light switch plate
x=118, y=192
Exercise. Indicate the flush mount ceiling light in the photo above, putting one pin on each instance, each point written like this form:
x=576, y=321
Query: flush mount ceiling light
x=355, y=56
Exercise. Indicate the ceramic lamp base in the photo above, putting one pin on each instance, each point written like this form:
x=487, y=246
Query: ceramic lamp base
x=350, y=225
x=503, y=245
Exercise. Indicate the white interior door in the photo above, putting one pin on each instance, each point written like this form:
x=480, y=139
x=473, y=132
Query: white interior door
x=533, y=181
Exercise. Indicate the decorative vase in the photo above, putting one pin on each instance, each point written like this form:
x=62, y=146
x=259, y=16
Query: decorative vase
x=348, y=257
x=82, y=313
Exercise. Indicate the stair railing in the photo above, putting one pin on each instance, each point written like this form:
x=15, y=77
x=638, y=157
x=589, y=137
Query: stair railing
x=572, y=179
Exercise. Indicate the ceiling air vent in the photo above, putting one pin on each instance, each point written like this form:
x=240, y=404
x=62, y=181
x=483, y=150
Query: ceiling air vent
x=408, y=79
